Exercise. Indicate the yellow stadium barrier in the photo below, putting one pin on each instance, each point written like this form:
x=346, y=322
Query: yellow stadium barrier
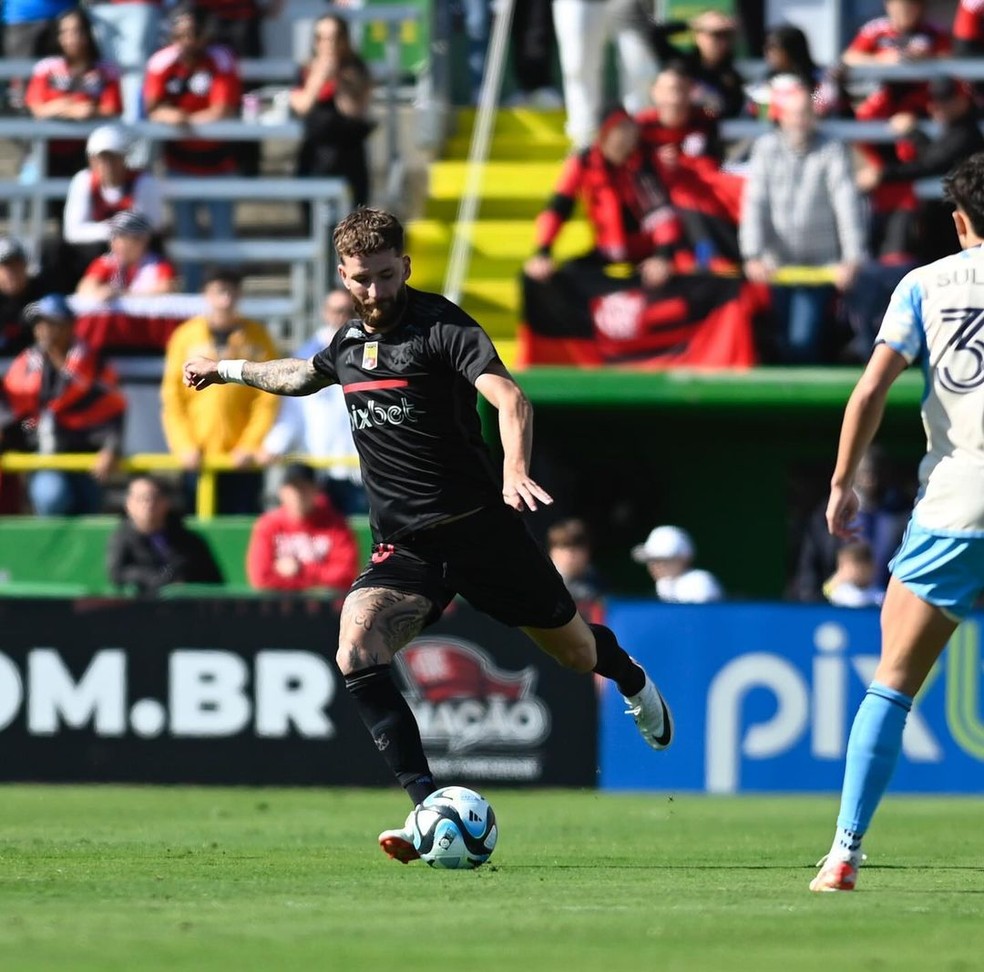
x=26, y=462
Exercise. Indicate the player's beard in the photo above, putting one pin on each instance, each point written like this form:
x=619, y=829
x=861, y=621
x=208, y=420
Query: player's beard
x=382, y=315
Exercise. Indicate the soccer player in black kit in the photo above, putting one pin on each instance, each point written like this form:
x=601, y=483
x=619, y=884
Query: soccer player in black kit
x=444, y=520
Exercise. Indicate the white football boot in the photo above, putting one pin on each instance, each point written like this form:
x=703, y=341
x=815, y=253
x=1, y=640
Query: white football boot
x=398, y=844
x=652, y=715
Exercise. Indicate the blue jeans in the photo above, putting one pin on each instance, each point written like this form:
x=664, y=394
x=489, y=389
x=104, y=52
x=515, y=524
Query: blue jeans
x=186, y=227
x=128, y=33
x=56, y=493
x=800, y=314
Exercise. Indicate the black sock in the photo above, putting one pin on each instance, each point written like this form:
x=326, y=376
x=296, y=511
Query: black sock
x=393, y=728
x=614, y=662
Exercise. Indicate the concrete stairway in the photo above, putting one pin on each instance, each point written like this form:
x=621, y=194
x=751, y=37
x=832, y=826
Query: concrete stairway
x=527, y=150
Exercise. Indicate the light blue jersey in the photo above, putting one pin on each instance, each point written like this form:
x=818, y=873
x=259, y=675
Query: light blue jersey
x=936, y=315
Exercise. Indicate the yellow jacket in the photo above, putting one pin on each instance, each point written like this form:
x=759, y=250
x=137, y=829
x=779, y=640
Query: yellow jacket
x=224, y=417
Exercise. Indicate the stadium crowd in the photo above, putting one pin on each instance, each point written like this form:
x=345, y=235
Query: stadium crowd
x=803, y=236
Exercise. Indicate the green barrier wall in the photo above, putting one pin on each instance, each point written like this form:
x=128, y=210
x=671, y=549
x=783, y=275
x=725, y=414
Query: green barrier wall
x=71, y=551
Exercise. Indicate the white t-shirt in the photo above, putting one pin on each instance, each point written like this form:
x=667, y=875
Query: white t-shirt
x=693, y=587
x=936, y=315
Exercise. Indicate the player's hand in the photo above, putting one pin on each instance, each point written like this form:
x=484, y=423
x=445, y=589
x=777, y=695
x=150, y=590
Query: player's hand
x=539, y=267
x=199, y=373
x=842, y=511
x=191, y=460
x=522, y=493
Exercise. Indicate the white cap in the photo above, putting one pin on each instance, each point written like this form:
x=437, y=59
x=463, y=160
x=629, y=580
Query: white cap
x=108, y=138
x=664, y=543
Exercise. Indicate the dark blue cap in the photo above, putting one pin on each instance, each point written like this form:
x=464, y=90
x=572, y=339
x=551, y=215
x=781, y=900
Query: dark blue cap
x=52, y=307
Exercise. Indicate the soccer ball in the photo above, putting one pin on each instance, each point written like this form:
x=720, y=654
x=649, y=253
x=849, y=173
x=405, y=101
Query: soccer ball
x=454, y=828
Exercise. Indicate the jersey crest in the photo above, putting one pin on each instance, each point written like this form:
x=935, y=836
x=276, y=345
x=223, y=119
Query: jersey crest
x=370, y=355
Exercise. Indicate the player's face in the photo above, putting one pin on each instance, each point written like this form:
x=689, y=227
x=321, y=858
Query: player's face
x=377, y=283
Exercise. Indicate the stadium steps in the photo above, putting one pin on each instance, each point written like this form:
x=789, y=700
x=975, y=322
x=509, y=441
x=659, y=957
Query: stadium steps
x=525, y=156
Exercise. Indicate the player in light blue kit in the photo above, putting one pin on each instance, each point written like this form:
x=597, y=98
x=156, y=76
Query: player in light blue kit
x=936, y=316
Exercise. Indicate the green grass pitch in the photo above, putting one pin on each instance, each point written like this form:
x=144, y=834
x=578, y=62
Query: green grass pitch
x=118, y=878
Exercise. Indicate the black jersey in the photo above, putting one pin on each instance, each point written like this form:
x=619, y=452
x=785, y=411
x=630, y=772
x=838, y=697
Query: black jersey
x=411, y=399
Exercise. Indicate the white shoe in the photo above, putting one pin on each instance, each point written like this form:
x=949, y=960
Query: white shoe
x=652, y=715
x=398, y=844
x=836, y=874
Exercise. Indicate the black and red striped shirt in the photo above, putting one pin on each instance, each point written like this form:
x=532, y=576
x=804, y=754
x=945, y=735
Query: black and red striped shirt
x=411, y=399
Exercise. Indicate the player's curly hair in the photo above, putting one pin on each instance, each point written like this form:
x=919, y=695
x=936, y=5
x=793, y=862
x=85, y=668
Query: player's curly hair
x=366, y=231
x=964, y=188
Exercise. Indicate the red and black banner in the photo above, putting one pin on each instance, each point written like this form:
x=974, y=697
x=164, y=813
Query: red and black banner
x=586, y=314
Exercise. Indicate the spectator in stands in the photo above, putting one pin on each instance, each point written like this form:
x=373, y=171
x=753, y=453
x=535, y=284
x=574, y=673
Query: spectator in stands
x=800, y=208
x=968, y=28
x=951, y=106
x=880, y=523
x=18, y=288
x=534, y=49
x=668, y=554
x=903, y=34
x=787, y=54
x=319, y=424
x=570, y=550
x=626, y=202
x=129, y=268
x=303, y=543
x=232, y=423
x=100, y=191
x=63, y=398
x=718, y=87
x=583, y=29
x=853, y=583
x=76, y=85
x=674, y=126
x=238, y=25
x=333, y=100
x=152, y=547
x=193, y=82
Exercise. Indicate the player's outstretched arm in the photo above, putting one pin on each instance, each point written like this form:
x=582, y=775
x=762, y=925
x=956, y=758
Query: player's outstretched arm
x=519, y=490
x=283, y=376
x=863, y=415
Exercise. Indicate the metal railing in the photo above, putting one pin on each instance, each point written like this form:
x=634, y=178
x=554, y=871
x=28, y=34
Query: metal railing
x=28, y=462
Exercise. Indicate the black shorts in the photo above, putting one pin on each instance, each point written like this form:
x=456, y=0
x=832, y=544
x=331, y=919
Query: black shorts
x=490, y=558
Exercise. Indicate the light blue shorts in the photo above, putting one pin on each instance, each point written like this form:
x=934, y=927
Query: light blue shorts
x=947, y=572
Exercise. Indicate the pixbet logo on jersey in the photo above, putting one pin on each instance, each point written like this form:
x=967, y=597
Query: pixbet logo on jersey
x=375, y=414
x=464, y=704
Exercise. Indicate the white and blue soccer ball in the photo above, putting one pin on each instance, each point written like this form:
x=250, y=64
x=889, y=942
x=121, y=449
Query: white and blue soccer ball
x=454, y=828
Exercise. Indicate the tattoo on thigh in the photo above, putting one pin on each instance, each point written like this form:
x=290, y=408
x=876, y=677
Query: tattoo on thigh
x=391, y=616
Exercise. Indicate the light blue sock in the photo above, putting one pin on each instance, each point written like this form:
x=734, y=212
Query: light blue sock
x=872, y=752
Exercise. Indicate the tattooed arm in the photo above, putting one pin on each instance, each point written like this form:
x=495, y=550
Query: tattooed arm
x=284, y=376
